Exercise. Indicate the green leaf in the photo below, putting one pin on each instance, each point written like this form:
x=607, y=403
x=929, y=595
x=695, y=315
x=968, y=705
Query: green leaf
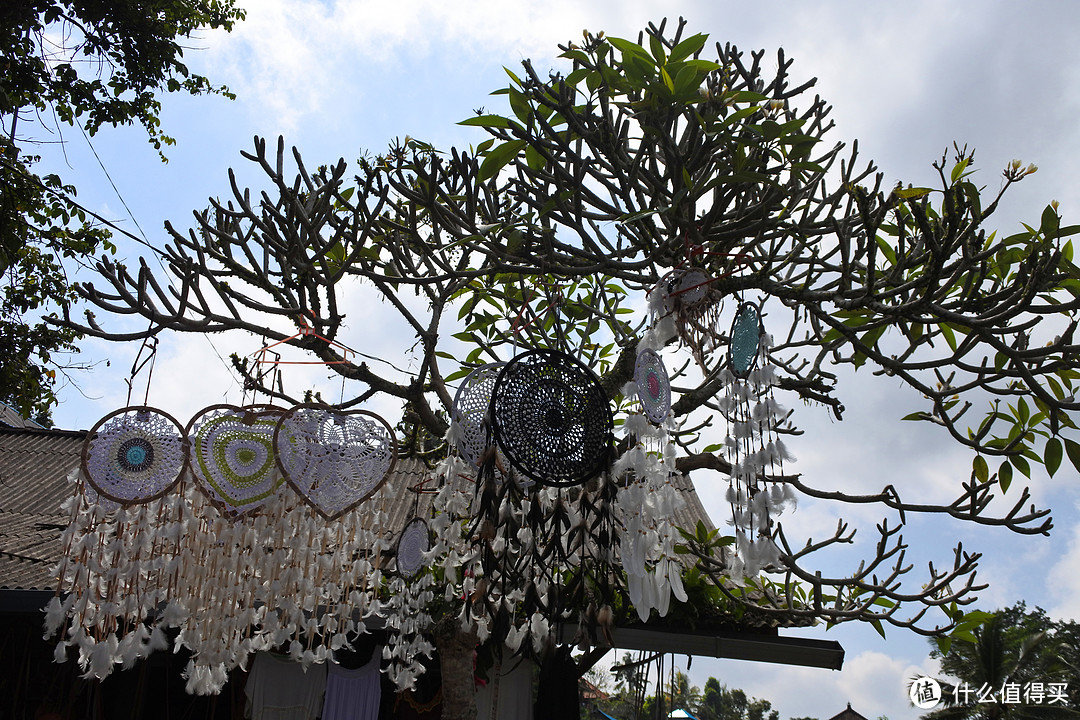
x=457, y=374
x=515, y=78
x=912, y=193
x=628, y=48
x=1052, y=455
x=958, y=169
x=575, y=55
x=1049, y=223
x=534, y=158
x=1072, y=449
x=687, y=81
x=519, y=103
x=497, y=157
x=489, y=121
x=981, y=470
x=950, y=336
x=668, y=82
x=1005, y=474
x=887, y=249
x=576, y=76
x=1021, y=464
x=657, y=48
x=688, y=47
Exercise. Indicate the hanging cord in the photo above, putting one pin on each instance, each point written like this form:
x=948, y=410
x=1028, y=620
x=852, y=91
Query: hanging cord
x=149, y=344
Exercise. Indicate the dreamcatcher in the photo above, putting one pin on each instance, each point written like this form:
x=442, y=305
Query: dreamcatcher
x=647, y=499
x=687, y=295
x=653, y=385
x=539, y=555
x=753, y=446
x=112, y=566
x=410, y=594
x=134, y=454
x=468, y=427
x=334, y=459
x=233, y=457
x=412, y=545
x=551, y=418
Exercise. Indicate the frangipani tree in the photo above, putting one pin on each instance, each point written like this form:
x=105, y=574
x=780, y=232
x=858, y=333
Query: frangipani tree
x=641, y=198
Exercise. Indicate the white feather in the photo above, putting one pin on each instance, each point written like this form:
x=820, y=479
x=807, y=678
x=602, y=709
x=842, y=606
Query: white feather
x=54, y=617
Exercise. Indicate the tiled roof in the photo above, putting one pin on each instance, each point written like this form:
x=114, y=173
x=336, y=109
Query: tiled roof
x=10, y=417
x=34, y=465
x=847, y=714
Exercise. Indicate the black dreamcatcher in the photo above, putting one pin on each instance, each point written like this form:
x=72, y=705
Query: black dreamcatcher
x=551, y=418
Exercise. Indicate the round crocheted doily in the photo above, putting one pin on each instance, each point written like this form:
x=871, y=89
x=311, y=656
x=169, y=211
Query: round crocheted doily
x=414, y=541
x=134, y=454
x=470, y=408
x=551, y=418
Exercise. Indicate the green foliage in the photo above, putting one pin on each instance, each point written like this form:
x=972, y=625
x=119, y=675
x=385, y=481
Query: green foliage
x=1013, y=645
x=111, y=62
x=713, y=702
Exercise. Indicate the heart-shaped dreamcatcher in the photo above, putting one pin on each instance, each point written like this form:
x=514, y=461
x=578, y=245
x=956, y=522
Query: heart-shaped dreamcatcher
x=470, y=407
x=551, y=418
x=335, y=459
x=232, y=452
x=653, y=385
x=135, y=454
x=413, y=542
x=746, y=330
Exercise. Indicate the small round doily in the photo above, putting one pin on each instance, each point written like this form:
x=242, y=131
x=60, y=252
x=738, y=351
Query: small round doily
x=746, y=331
x=413, y=542
x=135, y=454
x=653, y=385
x=691, y=287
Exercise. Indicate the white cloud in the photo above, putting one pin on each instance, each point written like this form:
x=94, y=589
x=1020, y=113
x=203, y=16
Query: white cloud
x=1065, y=584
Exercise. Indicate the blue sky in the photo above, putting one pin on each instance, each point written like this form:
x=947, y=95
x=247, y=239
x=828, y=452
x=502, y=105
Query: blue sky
x=905, y=79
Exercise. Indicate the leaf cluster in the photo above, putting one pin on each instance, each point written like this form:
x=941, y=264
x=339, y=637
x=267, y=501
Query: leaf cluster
x=89, y=64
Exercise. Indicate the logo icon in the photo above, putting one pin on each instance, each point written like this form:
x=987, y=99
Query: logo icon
x=925, y=693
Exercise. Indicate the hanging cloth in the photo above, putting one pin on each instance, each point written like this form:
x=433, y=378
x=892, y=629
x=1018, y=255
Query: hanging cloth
x=558, y=686
x=509, y=694
x=279, y=689
x=353, y=694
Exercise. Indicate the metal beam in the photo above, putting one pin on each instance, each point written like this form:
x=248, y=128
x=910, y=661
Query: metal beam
x=759, y=647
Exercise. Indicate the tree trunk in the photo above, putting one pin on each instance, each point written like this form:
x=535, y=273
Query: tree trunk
x=456, y=650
